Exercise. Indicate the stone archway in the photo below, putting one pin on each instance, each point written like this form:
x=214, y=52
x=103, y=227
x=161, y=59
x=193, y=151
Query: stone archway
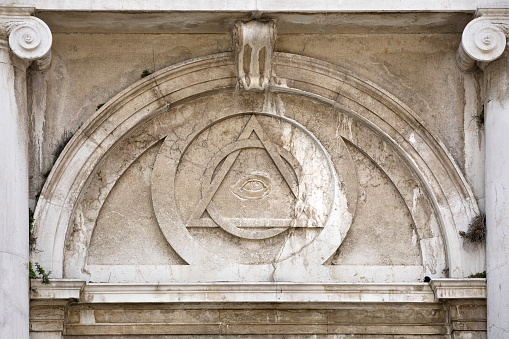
x=438, y=200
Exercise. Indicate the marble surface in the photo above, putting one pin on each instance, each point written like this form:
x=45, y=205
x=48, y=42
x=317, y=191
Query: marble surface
x=497, y=197
x=13, y=193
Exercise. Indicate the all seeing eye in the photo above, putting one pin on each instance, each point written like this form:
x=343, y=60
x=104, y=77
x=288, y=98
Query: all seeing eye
x=254, y=186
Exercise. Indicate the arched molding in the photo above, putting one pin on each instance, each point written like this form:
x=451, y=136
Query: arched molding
x=388, y=118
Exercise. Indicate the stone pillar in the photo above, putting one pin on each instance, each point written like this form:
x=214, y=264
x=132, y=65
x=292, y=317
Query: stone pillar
x=484, y=44
x=497, y=195
x=22, y=39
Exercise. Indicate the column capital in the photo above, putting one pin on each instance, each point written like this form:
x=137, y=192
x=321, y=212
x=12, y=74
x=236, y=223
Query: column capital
x=29, y=37
x=484, y=39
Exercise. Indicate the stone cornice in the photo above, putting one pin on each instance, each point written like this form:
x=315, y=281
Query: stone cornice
x=281, y=292
x=57, y=289
x=484, y=39
x=437, y=290
x=29, y=37
x=459, y=288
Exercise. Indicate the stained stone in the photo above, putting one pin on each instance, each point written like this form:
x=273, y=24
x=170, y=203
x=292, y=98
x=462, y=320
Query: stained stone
x=266, y=170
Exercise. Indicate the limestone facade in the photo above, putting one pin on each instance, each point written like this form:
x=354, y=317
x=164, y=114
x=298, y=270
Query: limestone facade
x=269, y=170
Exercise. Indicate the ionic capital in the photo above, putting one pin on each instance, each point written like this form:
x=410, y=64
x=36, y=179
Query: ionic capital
x=484, y=39
x=29, y=37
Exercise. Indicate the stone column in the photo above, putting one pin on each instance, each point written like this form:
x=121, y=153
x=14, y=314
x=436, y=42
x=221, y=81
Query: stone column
x=484, y=45
x=22, y=39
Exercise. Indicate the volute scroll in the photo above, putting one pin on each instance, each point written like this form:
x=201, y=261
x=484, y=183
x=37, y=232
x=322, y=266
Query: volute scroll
x=29, y=37
x=484, y=40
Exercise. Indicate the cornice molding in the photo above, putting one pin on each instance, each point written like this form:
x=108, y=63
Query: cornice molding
x=467, y=288
x=57, y=289
x=437, y=290
x=29, y=37
x=484, y=39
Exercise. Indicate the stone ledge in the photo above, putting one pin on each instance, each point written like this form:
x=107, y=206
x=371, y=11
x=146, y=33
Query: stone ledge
x=57, y=289
x=232, y=292
x=472, y=288
x=259, y=292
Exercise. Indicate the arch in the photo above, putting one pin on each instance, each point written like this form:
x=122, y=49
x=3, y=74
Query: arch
x=386, y=117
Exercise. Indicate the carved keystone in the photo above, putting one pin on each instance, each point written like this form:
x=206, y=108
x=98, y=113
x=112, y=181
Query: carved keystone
x=29, y=37
x=484, y=39
x=254, y=44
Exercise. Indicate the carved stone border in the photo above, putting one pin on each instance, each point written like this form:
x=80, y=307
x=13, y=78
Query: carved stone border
x=230, y=292
x=438, y=289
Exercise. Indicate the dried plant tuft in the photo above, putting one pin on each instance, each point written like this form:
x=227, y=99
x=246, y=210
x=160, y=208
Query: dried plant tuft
x=476, y=229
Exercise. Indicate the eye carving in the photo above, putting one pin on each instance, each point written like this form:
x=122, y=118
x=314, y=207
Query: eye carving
x=255, y=186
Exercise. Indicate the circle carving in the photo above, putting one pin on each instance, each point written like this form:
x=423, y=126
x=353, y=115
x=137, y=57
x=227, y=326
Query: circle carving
x=252, y=177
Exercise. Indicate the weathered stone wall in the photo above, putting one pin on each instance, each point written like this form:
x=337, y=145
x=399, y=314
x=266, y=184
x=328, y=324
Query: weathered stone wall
x=453, y=319
x=348, y=169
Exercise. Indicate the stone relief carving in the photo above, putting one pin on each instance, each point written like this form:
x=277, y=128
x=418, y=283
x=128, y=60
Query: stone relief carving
x=252, y=196
x=263, y=208
x=253, y=185
x=190, y=135
x=255, y=176
x=254, y=44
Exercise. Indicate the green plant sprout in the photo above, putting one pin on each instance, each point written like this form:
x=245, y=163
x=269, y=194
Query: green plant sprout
x=145, y=73
x=41, y=273
x=478, y=275
x=31, y=220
